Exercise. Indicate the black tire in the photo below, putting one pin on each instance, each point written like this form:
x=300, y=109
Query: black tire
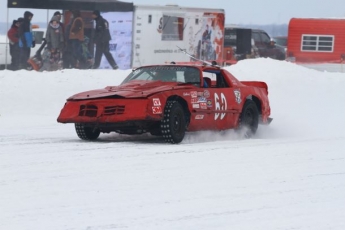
x=173, y=124
x=249, y=119
x=86, y=133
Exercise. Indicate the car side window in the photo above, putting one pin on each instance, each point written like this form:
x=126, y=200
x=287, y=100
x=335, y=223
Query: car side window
x=265, y=38
x=221, y=82
x=256, y=37
x=209, y=79
x=216, y=79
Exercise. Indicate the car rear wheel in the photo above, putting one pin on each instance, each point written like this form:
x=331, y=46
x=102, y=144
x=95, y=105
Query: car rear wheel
x=249, y=119
x=173, y=124
x=86, y=133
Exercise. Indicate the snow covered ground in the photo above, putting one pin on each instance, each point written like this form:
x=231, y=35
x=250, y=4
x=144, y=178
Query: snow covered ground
x=290, y=176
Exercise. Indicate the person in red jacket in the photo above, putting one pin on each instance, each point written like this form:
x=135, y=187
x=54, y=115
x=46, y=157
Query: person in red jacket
x=13, y=38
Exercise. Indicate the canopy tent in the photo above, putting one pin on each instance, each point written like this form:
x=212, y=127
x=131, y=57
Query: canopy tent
x=101, y=5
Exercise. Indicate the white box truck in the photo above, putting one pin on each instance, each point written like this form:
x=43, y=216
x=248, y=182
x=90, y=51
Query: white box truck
x=160, y=30
x=151, y=34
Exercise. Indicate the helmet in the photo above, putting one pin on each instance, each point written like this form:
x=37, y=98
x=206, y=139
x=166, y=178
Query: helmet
x=192, y=75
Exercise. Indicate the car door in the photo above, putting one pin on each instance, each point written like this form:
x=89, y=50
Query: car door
x=219, y=103
x=270, y=49
x=262, y=42
x=258, y=43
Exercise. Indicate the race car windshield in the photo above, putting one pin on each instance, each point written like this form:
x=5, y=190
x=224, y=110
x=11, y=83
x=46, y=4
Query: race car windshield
x=180, y=74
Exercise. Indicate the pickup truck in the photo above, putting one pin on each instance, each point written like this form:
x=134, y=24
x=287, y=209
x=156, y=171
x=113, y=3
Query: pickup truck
x=245, y=40
x=5, y=57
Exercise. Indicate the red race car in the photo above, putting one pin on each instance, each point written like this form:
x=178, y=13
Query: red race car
x=170, y=100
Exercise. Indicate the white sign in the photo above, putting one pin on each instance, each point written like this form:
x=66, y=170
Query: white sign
x=120, y=28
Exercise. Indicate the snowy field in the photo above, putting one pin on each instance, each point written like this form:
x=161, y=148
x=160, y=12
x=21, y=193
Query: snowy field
x=290, y=176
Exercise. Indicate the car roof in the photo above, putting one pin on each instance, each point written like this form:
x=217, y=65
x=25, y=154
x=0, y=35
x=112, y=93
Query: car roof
x=279, y=37
x=255, y=30
x=200, y=66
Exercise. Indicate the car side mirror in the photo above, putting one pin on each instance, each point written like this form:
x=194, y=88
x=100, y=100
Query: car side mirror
x=272, y=43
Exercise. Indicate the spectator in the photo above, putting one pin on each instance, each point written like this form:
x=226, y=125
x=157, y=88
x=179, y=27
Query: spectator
x=75, y=38
x=67, y=54
x=58, y=14
x=54, y=39
x=86, y=61
x=101, y=39
x=13, y=37
x=26, y=39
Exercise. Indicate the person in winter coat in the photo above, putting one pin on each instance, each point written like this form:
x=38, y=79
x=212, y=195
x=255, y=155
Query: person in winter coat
x=13, y=37
x=26, y=39
x=55, y=43
x=58, y=15
x=101, y=39
x=75, y=34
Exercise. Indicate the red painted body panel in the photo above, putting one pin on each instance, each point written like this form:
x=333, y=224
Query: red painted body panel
x=106, y=111
x=140, y=103
x=316, y=26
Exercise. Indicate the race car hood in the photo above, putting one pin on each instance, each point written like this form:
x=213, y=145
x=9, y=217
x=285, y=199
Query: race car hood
x=132, y=89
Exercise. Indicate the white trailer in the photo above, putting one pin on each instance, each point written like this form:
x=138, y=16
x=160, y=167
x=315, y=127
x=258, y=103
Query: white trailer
x=158, y=31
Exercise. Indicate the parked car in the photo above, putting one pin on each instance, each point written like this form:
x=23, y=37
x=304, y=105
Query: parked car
x=266, y=47
x=280, y=40
x=240, y=40
x=168, y=101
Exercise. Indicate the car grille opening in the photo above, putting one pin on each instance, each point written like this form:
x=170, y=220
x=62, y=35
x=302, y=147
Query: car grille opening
x=114, y=110
x=88, y=111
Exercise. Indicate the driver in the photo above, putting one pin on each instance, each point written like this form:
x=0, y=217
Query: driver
x=157, y=76
x=166, y=75
x=192, y=75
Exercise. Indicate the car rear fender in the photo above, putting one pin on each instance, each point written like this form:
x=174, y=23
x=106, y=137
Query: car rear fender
x=259, y=84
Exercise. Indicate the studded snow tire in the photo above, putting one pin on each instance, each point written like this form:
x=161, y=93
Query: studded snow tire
x=86, y=133
x=173, y=124
x=249, y=119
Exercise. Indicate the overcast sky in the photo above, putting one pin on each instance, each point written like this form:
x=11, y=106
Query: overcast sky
x=237, y=12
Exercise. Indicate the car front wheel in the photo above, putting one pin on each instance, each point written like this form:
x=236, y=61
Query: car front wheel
x=86, y=133
x=173, y=124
